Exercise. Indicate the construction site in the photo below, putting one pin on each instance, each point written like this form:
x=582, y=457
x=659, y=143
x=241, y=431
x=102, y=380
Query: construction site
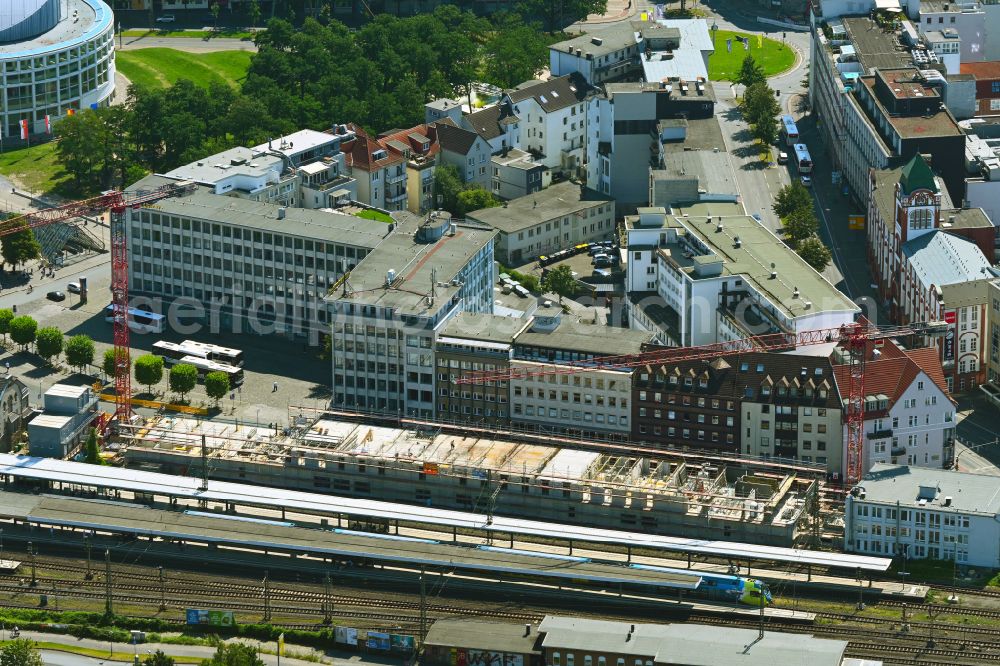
x=656, y=495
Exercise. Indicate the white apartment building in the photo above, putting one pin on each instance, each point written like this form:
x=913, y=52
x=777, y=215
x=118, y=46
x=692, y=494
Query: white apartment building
x=909, y=413
x=925, y=513
x=727, y=277
x=249, y=266
x=386, y=313
x=593, y=402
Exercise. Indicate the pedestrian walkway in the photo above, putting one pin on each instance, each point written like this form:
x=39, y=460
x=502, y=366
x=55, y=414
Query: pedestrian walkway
x=127, y=651
x=618, y=10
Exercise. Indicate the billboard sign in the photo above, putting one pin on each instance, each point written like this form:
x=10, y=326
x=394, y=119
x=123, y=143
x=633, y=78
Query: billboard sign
x=211, y=618
x=345, y=635
x=402, y=643
x=378, y=641
x=950, y=317
x=856, y=222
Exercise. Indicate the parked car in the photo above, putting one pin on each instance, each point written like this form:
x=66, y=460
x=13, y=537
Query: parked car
x=166, y=18
x=55, y=296
x=807, y=181
x=73, y=287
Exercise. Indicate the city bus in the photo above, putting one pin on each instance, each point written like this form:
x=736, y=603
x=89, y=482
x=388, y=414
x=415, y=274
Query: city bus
x=172, y=352
x=802, y=159
x=139, y=321
x=789, y=129
x=204, y=366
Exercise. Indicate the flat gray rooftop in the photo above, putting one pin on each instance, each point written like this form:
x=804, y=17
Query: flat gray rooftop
x=480, y=326
x=123, y=517
x=699, y=134
x=414, y=263
x=612, y=39
x=93, y=17
x=969, y=493
x=557, y=200
x=313, y=224
x=875, y=49
x=482, y=635
x=597, y=339
x=239, y=160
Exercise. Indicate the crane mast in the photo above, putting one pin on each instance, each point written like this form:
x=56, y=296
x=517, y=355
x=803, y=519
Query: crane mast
x=117, y=204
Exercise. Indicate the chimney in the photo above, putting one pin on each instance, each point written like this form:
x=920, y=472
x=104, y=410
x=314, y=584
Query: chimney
x=527, y=629
x=795, y=293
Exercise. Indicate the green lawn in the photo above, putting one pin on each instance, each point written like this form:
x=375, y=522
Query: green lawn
x=37, y=168
x=374, y=215
x=191, y=34
x=162, y=67
x=773, y=56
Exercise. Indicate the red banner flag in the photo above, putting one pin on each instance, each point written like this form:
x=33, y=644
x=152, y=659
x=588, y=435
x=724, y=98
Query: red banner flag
x=48, y=124
x=24, y=130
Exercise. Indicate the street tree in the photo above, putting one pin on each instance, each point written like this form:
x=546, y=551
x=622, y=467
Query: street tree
x=253, y=10
x=19, y=247
x=759, y=103
x=765, y=130
x=447, y=186
x=217, y=386
x=815, y=253
x=791, y=198
x=80, y=351
x=108, y=365
x=750, y=73
x=49, y=343
x=183, y=379
x=232, y=654
x=800, y=225
x=23, y=330
x=6, y=314
x=20, y=652
x=560, y=281
x=91, y=450
x=148, y=370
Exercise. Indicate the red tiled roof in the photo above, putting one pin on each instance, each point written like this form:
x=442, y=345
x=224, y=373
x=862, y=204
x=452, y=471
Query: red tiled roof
x=982, y=70
x=363, y=147
x=894, y=371
x=406, y=136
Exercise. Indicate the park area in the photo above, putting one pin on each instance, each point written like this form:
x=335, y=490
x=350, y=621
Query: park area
x=772, y=56
x=162, y=67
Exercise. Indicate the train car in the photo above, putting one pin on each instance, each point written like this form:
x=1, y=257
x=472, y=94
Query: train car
x=723, y=586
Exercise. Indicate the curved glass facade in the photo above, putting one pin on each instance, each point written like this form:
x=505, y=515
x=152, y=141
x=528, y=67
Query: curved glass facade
x=72, y=73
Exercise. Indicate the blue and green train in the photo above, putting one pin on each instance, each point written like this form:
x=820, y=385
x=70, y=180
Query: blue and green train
x=726, y=587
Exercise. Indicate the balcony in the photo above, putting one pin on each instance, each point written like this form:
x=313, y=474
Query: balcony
x=395, y=198
x=395, y=178
x=897, y=451
x=880, y=434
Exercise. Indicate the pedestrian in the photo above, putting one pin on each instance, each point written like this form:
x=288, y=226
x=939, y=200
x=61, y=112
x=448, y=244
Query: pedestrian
x=7, y=365
x=274, y=387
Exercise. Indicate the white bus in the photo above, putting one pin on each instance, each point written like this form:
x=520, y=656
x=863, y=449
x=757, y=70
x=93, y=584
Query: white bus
x=205, y=366
x=139, y=321
x=802, y=158
x=790, y=130
x=172, y=352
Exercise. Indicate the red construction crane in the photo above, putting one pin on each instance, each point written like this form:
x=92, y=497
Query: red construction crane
x=116, y=203
x=858, y=339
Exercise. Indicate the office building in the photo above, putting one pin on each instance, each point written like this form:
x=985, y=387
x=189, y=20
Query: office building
x=725, y=276
x=56, y=56
x=242, y=265
x=586, y=404
x=387, y=312
x=925, y=514
x=557, y=217
x=692, y=164
x=470, y=343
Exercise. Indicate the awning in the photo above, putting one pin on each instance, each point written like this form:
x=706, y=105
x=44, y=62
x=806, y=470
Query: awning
x=888, y=5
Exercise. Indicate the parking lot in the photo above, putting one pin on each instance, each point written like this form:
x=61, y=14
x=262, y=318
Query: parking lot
x=302, y=378
x=582, y=266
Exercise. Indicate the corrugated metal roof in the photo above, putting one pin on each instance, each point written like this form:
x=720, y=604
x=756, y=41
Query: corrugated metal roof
x=939, y=258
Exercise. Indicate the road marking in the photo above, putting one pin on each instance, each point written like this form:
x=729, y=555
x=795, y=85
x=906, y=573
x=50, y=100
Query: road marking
x=833, y=243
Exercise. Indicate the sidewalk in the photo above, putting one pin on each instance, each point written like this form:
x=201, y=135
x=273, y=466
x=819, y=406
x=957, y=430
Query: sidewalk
x=125, y=651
